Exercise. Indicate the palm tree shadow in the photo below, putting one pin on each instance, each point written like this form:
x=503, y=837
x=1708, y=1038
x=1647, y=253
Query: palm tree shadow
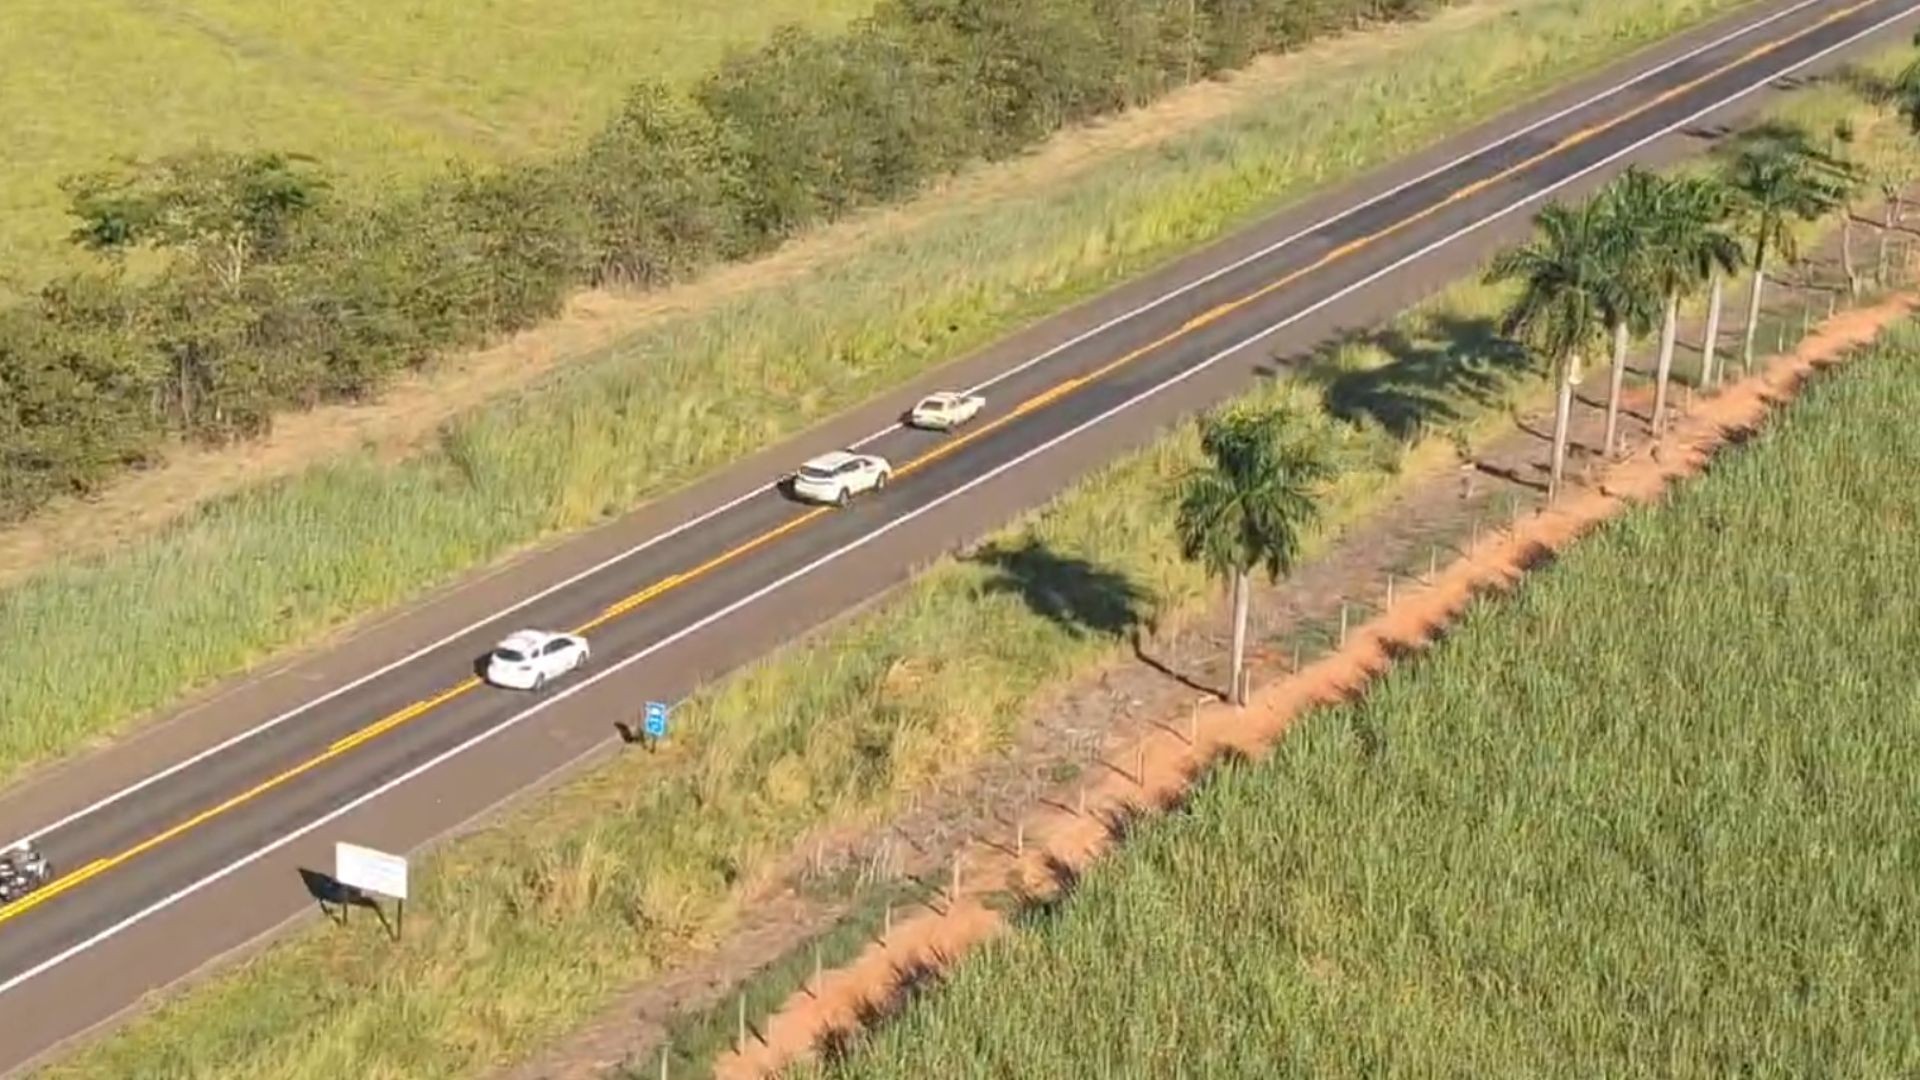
x=1426, y=381
x=1068, y=591
x=1167, y=670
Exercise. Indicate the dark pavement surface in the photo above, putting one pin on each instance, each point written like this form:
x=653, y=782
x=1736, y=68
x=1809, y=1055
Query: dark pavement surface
x=161, y=906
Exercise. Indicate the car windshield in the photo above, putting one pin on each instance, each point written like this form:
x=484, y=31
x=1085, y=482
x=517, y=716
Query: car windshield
x=934, y=404
x=511, y=656
x=812, y=473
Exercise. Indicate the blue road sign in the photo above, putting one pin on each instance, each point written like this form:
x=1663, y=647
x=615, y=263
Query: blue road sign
x=656, y=719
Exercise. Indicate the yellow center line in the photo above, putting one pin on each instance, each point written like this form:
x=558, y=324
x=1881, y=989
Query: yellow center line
x=401, y=717
x=673, y=581
x=1040, y=400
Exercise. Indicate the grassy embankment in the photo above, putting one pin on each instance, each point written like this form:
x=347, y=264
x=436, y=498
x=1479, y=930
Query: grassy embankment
x=380, y=91
x=524, y=930
x=284, y=565
x=1650, y=816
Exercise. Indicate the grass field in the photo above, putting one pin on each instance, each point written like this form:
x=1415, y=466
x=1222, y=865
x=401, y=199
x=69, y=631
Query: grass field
x=284, y=565
x=1650, y=817
x=381, y=90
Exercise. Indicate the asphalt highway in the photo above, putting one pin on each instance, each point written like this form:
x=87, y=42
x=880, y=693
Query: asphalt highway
x=183, y=845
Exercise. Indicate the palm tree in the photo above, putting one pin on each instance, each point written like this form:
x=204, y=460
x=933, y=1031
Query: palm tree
x=1248, y=506
x=1895, y=177
x=1905, y=89
x=1561, y=310
x=1782, y=178
x=1631, y=206
x=1710, y=337
x=1689, y=242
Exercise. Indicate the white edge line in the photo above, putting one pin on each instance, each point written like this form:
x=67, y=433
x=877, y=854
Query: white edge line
x=703, y=518
x=751, y=598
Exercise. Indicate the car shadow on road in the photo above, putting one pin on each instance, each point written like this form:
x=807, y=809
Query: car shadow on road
x=1069, y=591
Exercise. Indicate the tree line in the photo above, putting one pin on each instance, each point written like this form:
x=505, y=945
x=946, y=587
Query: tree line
x=279, y=292
x=1595, y=276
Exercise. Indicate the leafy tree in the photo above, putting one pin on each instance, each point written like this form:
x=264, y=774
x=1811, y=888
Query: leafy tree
x=662, y=188
x=1782, y=178
x=1247, y=508
x=1029, y=67
x=224, y=209
x=76, y=389
x=827, y=124
x=1561, y=312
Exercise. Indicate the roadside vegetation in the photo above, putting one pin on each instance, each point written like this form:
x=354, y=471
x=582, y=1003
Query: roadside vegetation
x=275, y=288
x=526, y=929
x=283, y=565
x=1649, y=816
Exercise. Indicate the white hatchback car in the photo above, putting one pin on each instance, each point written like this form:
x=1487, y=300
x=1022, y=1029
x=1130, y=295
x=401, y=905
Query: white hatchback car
x=945, y=410
x=839, y=476
x=528, y=658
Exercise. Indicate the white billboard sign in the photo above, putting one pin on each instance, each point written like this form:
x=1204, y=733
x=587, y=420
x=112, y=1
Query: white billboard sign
x=370, y=870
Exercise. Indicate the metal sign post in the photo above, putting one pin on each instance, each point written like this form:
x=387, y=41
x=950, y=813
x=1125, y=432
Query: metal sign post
x=375, y=872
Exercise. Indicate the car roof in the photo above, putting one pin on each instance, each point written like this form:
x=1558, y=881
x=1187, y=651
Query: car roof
x=944, y=396
x=831, y=461
x=525, y=640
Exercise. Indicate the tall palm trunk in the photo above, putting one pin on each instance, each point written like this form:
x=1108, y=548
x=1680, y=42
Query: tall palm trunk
x=1618, y=376
x=1562, y=420
x=1846, y=252
x=1710, y=342
x=1886, y=234
x=1240, y=590
x=1753, y=312
x=1663, y=370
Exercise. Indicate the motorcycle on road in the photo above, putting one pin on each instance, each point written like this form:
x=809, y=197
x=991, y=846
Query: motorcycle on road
x=22, y=871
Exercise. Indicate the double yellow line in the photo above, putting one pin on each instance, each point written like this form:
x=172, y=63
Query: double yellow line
x=950, y=446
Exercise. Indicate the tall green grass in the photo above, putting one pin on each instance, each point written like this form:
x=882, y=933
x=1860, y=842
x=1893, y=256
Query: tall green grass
x=1653, y=816
x=381, y=91
x=282, y=565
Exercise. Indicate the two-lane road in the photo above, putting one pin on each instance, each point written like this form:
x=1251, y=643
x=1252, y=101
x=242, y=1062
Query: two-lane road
x=181, y=849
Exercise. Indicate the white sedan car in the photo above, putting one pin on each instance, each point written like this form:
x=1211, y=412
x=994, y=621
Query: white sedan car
x=945, y=410
x=528, y=658
x=839, y=476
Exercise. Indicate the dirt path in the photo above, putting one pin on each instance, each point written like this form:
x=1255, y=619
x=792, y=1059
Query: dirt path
x=1054, y=844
